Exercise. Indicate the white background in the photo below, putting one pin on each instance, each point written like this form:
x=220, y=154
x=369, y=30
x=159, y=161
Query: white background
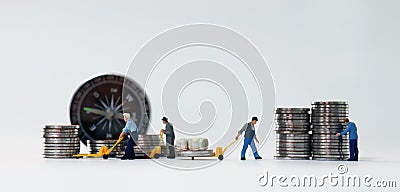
x=343, y=50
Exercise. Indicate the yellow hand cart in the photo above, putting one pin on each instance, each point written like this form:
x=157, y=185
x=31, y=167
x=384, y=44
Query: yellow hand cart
x=104, y=151
x=219, y=152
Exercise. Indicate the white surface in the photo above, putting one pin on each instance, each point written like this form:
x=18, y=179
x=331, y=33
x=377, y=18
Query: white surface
x=315, y=49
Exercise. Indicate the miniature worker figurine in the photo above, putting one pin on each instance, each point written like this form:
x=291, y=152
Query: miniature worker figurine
x=170, y=137
x=130, y=128
x=340, y=142
x=353, y=137
x=249, y=137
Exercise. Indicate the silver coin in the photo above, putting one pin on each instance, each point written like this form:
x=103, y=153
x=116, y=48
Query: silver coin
x=319, y=144
x=326, y=120
x=321, y=124
x=330, y=102
x=61, y=151
x=59, y=136
x=327, y=156
x=330, y=107
x=101, y=141
x=330, y=152
x=328, y=159
x=293, y=121
x=291, y=158
x=293, y=109
x=294, y=149
x=288, y=119
x=287, y=143
x=61, y=144
x=279, y=127
x=289, y=131
x=61, y=126
x=315, y=110
x=324, y=131
x=294, y=140
x=328, y=147
x=56, y=134
x=308, y=154
x=328, y=113
x=58, y=156
x=67, y=140
x=292, y=116
x=61, y=148
x=307, y=139
x=302, y=155
x=297, y=135
x=290, y=144
x=298, y=124
x=328, y=127
x=60, y=131
x=322, y=136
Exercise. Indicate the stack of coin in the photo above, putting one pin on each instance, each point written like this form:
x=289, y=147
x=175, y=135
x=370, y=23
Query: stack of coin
x=293, y=140
x=147, y=143
x=327, y=119
x=95, y=145
x=60, y=141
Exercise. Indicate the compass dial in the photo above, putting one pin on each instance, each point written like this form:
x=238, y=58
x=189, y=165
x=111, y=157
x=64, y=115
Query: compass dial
x=97, y=106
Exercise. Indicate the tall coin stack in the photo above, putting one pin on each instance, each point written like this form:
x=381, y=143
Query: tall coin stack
x=293, y=140
x=60, y=141
x=95, y=145
x=147, y=143
x=328, y=119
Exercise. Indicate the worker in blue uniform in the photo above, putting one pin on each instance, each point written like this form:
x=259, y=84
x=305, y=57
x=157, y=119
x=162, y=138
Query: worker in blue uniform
x=339, y=129
x=353, y=137
x=131, y=129
x=249, y=137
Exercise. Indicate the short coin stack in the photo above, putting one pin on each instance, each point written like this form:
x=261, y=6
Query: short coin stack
x=293, y=140
x=60, y=141
x=327, y=119
x=95, y=145
x=147, y=143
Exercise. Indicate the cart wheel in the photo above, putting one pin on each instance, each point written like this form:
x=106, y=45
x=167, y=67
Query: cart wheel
x=220, y=157
x=105, y=156
x=157, y=156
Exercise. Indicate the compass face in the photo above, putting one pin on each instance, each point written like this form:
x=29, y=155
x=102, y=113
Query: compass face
x=97, y=106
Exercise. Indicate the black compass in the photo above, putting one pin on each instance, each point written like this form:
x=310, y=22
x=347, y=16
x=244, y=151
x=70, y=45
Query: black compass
x=97, y=106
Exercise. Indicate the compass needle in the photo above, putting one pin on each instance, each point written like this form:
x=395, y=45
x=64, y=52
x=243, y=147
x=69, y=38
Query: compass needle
x=107, y=102
x=112, y=102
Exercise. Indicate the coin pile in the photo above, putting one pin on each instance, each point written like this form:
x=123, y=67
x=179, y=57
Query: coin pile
x=327, y=119
x=95, y=145
x=147, y=143
x=60, y=141
x=293, y=140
